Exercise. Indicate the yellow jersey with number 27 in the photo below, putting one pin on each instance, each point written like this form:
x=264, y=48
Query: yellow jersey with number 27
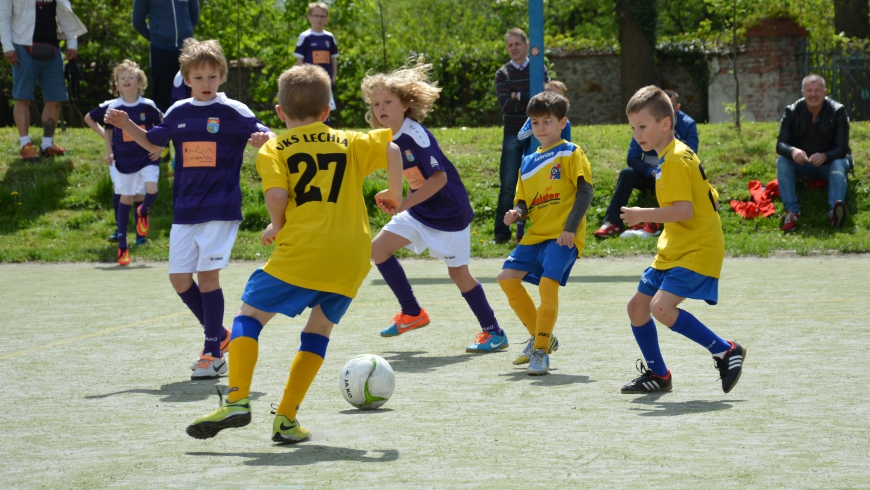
x=326, y=242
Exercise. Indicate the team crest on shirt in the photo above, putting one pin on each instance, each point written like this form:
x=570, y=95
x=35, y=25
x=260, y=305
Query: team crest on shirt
x=409, y=156
x=141, y=116
x=213, y=125
x=556, y=172
x=327, y=44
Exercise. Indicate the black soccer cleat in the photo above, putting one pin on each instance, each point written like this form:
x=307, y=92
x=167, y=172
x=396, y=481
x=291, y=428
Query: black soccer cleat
x=647, y=382
x=731, y=366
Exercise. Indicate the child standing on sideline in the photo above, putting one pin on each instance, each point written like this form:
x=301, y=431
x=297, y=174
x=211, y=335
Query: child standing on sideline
x=317, y=46
x=209, y=132
x=134, y=167
x=436, y=214
x=554, y=191
x=690, y=249
x=525, y=135
x=312, y=179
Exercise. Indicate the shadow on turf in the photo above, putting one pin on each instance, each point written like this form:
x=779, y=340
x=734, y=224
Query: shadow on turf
x=179, y=392
x=422, y=281
x=299, y=455
x=414, y=362
x=551, y=379
x=659, y=408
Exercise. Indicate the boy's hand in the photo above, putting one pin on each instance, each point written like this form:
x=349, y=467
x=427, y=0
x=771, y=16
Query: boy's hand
x=566, y=239
x=110, y=159
x=269, y=235
x=154, y=156
x=116, y=118
x=387, y=203
x=258, y=139
x=629, y=216
x=511, y=216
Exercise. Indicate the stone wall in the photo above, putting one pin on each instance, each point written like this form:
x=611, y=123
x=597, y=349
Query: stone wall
x=593, y=87
x=768, y=71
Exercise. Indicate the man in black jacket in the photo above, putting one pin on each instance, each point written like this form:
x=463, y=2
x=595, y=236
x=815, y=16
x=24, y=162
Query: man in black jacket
x=813, y=144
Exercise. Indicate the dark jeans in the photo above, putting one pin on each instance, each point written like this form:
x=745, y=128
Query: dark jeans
x=164, y=66
x=629, y=179
x=511, y=158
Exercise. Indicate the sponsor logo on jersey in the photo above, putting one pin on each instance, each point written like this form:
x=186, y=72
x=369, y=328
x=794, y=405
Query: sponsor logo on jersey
x=556, y=172
x=544, y=199
x=182, y=125
x=409, y=155
x=213, y=125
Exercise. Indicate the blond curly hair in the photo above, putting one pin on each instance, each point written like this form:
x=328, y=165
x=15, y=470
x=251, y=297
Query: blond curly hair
x=132, y=67
x=410, y=84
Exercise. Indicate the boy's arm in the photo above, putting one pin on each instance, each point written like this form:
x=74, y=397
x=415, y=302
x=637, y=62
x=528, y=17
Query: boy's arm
x=433, y=184
x=121, y=120
x=390, y=199
x=140, y=11
x=276, y=202
x=259, y=139
x=105, y=135
x=582, y=200
x=334, y=61
x=678, y=211
x=520, y=211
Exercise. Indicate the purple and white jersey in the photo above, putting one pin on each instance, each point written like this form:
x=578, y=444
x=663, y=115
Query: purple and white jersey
x=449, y=209
x=317, y=48
x=129, y=156
x=209, y=139
x=180, y=90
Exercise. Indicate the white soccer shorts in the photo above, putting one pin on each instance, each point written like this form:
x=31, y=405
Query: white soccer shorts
x=453, y=247
x=132, y=184
x=201, y=247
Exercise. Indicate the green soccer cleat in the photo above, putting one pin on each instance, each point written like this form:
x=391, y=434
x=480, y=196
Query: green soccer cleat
x=229, y=415
x=286, y=431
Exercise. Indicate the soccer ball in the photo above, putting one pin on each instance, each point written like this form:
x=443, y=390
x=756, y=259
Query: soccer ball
x=367, y=381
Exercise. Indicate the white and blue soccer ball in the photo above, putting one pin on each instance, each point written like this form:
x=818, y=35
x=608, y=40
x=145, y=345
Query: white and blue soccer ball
x=367, y=381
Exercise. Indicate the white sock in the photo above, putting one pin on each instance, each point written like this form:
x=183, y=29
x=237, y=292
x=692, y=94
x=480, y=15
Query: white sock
x=47, y=141
x=24, y=140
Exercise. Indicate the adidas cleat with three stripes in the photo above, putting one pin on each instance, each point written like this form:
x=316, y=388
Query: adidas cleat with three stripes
x=647, y=382
x=730, y=366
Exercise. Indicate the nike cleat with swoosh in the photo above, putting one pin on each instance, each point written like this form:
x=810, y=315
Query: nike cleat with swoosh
x=209, y=367
x=487, y=342
x=286, y=431
x=228, y=416
x=225, y=347
x=402, y=323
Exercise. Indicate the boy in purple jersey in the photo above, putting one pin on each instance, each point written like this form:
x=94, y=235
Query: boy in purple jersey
x=134, y=167
x=316, y=46
x=436, y=214
x=209, y=132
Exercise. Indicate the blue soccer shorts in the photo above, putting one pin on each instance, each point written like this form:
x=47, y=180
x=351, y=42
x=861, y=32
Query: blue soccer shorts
x=545, y=259
x=267, y=293
x=681, y=282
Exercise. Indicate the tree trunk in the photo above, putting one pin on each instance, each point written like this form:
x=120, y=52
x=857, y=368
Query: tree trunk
x=851, y=18
x=636, y=58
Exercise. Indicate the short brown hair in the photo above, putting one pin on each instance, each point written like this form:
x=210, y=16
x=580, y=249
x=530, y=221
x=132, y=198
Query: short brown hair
x=318, y=5
x=653, y=99
x=548, y=104
x=133, y=67
x=198, y=53
x=557, y=85
x=517, y=32
x=303, y=91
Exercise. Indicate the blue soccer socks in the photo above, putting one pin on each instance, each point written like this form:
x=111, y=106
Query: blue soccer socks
x=394, y=276
x=689, y=326
x=213, y=319
x=479, y=305
x=647, y=338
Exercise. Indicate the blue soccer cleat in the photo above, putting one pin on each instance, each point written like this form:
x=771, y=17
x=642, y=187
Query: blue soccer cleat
x=488, y=342
x=539, y=363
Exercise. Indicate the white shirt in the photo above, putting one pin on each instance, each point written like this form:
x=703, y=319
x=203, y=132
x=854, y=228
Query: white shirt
x=18, y=20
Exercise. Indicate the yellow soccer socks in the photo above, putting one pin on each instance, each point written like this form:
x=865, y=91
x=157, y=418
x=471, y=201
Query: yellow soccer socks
x=302, y=373
x=521, y=302
x=547, y=312
x=244, y=350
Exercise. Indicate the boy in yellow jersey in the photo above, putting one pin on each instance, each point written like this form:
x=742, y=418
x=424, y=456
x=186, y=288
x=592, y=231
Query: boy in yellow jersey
x=312, y=179
x=554, y=191
x=690, y=249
